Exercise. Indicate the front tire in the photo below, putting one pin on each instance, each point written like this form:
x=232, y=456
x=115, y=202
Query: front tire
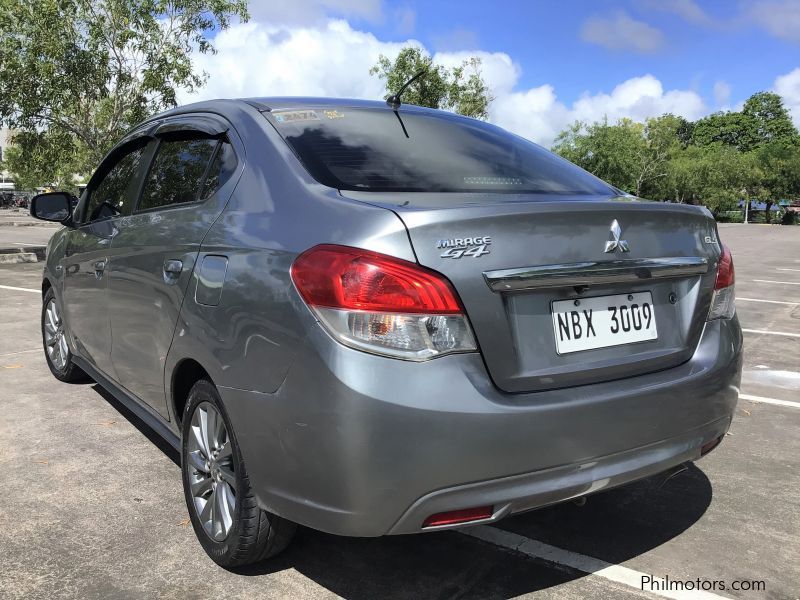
x=222, y=506
x=56, y=351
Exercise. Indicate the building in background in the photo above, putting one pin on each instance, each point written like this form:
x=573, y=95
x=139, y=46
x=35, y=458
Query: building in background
x=6, y=183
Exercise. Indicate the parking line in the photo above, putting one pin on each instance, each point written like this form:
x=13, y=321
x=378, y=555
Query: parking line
x=20, y=352
x=19, y=289
x=765, y=332
x=766, y=301
x=580, y=562
x=785, y=269
x=779, y=282
x=774, y=401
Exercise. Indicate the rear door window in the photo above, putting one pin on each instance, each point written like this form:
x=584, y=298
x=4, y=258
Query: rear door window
x=375, y=149
x=178, y=172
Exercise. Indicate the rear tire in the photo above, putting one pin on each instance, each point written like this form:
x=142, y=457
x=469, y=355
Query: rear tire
x=56, y=351
x=227, y=520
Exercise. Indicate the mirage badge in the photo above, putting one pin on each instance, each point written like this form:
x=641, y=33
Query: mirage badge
x=460, y=247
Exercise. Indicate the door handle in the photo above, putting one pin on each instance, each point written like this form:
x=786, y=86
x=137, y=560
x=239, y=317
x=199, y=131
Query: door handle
x=99, y=268
x=172, y=269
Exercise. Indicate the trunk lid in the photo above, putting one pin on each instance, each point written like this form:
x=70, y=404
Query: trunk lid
x=511, y=258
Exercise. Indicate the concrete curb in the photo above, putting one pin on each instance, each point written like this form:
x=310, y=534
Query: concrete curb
x=29, y=254
x=19, y=257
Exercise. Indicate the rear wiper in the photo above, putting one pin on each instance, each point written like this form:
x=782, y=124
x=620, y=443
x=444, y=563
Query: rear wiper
x=397, y=114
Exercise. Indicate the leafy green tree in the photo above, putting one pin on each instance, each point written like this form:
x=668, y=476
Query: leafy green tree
x=779, y=161
x=728, y=175
x=763, y=119
x=770, y=118
x=608, y=151
x=631, y=156
x=715, y=161
x=731, y=128
x=461, y=89
x=76, y=74
x=46, y=157
x=684, y=178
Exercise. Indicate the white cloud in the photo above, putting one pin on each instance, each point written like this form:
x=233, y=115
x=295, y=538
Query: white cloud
x=253, y=59
x=788, y=86
x=538, y=114
x=313, y=12
x=621, y=32
x=780, y=18
x=334, y=59
x=722, y=93
x=688, y=10
x=497, y=69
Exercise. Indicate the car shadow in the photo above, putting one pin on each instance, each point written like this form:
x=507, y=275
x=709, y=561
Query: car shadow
x=614, y=526
x=143, y=427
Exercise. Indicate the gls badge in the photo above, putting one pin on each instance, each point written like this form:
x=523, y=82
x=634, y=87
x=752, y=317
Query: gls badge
x=471, y=246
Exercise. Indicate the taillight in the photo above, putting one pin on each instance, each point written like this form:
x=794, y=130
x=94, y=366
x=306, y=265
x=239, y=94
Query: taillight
x=723, y=302
x=382, y=304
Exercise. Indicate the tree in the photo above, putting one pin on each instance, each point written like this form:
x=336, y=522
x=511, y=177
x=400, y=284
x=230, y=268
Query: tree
x=763, y=119
x=461, y=89
x=780, y=164
x=629, y=155
x=685, y=175
x=666, y=137
x=715, y=161
x=732, y=128
x=47, y=157
x=76, y=74
x=608, y=151
x=770, y=118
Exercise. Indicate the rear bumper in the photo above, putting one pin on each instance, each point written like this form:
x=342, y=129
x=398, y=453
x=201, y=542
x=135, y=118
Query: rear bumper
x=520, y=493
x=356, y=444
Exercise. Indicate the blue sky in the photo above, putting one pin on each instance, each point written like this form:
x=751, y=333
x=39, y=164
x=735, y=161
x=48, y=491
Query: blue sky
x=545, y=38
x=548, y=62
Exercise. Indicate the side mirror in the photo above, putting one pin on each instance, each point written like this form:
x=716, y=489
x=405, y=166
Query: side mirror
x=52, y=206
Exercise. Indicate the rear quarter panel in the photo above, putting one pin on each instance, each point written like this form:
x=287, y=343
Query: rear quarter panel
x=250, y=339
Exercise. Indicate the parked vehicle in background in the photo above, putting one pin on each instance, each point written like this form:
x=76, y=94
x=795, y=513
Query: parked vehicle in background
x=376, y=321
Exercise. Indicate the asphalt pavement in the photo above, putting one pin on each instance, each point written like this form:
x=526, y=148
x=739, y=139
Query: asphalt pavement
x=91, y=503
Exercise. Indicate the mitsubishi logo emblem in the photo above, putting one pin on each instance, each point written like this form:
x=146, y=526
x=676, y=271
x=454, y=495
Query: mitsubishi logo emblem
x=615, y=243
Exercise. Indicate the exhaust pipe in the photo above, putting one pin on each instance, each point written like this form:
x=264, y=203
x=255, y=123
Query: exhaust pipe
x=673, y=472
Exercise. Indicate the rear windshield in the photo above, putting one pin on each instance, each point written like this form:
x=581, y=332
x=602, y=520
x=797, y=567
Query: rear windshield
x=370, y=149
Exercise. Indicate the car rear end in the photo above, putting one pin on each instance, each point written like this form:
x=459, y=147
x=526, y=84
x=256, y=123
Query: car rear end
x=553, y=339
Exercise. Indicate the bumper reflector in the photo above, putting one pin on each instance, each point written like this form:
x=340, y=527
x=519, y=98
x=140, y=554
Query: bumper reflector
x=709, y=446
x=454, y=517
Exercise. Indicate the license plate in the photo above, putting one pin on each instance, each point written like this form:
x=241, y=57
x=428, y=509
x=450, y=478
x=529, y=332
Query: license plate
x=603, y=321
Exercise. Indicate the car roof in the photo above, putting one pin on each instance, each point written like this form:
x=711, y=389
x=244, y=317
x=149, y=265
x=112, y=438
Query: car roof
x=273, y=103
x=227, y=106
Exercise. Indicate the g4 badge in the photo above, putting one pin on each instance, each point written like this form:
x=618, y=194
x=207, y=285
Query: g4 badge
x=460, y=247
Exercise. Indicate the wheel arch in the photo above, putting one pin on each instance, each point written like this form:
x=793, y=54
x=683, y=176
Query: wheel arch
x=185, y=374
x=46, y=285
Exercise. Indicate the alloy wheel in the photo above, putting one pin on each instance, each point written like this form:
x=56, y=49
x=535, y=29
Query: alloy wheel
x=212, y=477
x=55, y=342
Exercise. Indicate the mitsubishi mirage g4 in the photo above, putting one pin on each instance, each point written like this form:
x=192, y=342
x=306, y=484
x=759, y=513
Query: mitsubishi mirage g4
x=376, y=320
